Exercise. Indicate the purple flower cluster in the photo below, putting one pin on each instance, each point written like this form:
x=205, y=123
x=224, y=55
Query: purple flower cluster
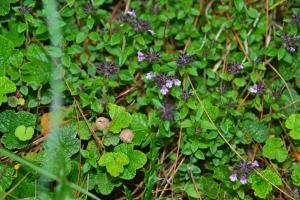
x=290, y=42
x=150, y=57
x=168, y=111
x=25, y=9
x=243, y=170
x=88, y=8
x=107, y=69
x=257, y=89
x=295, y=19
x=186, y=94
x=184, y=59
x=138, y=25
x=234, y=67
x=163, y=81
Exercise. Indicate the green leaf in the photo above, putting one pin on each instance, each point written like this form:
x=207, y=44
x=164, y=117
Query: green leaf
x=68, y=143
x=7, y=172
x=24, y=133
x=293, y=123
x=114, y=162
x=6, y=86
x=262, y=187
x=36, y=73
x=120, y=118
x=296, y=175
x=137, y=160
x=111, y=139
x=274, y=149
x=239, y=4
x=83, y=130
x=139, y=126
x=5, y=6
x=81, y=37
x=9, y=121
x=6, y=49
x=257, y=129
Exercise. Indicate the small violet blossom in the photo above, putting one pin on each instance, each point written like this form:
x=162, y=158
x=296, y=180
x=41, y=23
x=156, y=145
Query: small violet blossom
x=176, y=82
x=291, y=49
x=255, y=164
x=243, y=180
x=240, y=66
x=141, y=56
x=151, y=32
x=253, y=89
x=233, y=177
x=150, y=75
x=131, y=13
x=169, y=83
x=164, y=90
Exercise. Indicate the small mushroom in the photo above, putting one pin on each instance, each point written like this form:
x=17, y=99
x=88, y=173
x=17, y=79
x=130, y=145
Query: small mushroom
x=126, y=135
x=102, y=123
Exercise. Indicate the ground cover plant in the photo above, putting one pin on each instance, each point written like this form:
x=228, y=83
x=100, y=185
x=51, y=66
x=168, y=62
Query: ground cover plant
x=137, y=99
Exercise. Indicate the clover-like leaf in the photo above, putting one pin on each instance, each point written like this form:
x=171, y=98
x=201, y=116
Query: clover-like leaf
x=24, y=133
x=137, y=160
x=114, y=162
x=111, y=139
x=274, y=149
x=9, y=121
x=120, y=118
x=6, y=86
x=262, y=187
x=293, y=123
x=139, y=127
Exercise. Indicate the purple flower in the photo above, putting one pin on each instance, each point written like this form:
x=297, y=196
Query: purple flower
x=141, y=56
x=131, y=13
x=176, y=82
x=240, y=66
x=243, y=180
x=151, y=32
x=150, y=75
x=169, y=83
x=233, y=177
x=291, y=49
x=255, y=164
x=164, y=90
x=253, y=89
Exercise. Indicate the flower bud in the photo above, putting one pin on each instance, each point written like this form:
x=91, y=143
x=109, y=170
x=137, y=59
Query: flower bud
x=126, y=135
x=102, y=123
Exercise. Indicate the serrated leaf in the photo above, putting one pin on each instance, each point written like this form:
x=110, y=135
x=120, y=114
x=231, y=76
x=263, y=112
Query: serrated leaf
x=274, y=149
x=120, y=118
x=262, y=187
x=36, y=73
x=137, y=160
x=258, y=130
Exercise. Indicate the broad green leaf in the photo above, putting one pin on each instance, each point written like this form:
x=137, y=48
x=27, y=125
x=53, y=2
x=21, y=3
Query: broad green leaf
x=114, y=162
x=262, y=187
x=6, y=86
x=120, y=118
x=137, y=160
x=7, y=172
x=296, y=175
x=139, y=127
x=5, y=6
x=111, y=139
x=36, y=73
x=6, y=49
x=258, y=130
x=293, y=123
x=274, y=149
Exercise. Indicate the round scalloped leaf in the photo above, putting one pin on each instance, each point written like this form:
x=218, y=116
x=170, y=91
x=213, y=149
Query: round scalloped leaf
x=120, y=118
x=274, y=149
x=293, y=123
x=114, y=162
x=137, y=160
